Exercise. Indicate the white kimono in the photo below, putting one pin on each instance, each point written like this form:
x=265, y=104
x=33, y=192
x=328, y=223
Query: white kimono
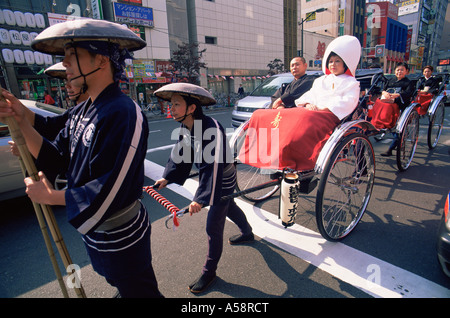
x=340, y=94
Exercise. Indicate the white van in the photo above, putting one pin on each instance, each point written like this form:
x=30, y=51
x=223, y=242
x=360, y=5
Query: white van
x=261, y=97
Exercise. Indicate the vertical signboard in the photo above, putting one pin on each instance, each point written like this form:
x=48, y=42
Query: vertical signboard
x=342, y=4
x=408, y=44
x=97, y=10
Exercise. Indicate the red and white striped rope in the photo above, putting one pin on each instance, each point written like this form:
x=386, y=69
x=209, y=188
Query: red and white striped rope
x=164, y=202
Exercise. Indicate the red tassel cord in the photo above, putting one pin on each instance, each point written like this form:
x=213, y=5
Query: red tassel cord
x=165, y=203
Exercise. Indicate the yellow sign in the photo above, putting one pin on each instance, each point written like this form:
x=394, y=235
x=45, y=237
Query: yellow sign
x=310, y=16
x=407, y=3
x=341, y=16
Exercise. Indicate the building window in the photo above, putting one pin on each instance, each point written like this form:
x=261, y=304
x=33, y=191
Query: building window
x=210, y=40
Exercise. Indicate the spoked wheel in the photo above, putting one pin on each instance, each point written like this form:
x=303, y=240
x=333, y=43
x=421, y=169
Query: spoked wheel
x=345, y=187
x=408, y=141
x=435, y=126
x=249, y=176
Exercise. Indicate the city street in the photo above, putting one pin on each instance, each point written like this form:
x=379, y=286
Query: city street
x=390, y=254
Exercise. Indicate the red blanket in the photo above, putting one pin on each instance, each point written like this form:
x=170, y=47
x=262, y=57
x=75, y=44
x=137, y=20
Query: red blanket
x=287, y=138
x=384, y=115
x=424, y=99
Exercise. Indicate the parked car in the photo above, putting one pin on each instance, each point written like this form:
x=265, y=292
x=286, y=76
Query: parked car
x=443, y=243
x=11, y=177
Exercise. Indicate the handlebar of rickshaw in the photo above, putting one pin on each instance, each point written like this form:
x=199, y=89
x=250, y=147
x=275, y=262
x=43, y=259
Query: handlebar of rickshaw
x=176, y=213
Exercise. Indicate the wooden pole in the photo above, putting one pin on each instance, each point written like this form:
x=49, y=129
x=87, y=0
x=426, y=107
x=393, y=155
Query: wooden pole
x=30, y=167
x=47, y=240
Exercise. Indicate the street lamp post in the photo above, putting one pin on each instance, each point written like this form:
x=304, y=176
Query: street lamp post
x=306, y=18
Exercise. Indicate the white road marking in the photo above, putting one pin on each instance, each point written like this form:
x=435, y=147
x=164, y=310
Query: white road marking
x=160, y=148
x=370, y=274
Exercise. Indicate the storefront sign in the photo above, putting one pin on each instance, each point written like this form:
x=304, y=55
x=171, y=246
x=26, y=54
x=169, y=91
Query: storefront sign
x=133, y=14
x=379, y=50
x=9, y=36
x=408, y=7
x=21, y=19
x=408, y=44
x=8, y=56
x=27, y=56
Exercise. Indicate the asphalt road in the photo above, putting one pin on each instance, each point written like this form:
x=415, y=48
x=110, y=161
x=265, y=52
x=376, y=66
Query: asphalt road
x=390, y=254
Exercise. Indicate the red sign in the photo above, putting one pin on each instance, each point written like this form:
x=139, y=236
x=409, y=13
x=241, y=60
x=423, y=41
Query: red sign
x=408, y=44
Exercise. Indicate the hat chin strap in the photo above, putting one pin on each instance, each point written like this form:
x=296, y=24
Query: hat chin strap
x=84, y=87
x=77, y=96
x=182, y=118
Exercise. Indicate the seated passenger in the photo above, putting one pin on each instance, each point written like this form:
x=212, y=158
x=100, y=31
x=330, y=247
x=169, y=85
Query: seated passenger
x=395, y=98
x=428, y=87
x=429, y=82
x=338, y=90
x=286, y=96
x=292, y=138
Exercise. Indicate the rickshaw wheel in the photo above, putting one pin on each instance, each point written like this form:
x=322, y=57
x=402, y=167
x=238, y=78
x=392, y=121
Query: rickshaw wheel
x=435, y=126
x=408, y=141
x=345, y=187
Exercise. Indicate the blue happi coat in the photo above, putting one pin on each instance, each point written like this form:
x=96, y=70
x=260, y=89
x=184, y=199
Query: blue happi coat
x=207, y=148
x=102, y=147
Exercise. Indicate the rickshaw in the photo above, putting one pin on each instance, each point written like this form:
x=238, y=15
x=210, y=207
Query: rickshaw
x=344, y=172
x=433, y=107
x=407, y=126
x=345, y=169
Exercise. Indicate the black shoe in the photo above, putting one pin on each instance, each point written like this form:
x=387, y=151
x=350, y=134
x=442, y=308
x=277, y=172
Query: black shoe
x=387, y=153
x=240, y=239
x=202, y=283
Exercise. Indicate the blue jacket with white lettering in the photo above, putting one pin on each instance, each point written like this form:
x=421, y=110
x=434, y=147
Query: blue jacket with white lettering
x=103, y=147
x=205, y=146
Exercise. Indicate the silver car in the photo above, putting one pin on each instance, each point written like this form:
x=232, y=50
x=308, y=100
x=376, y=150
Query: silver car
x=261, y=97
x=11, y=177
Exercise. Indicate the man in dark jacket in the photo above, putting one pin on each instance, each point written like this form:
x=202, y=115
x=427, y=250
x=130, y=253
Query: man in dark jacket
x=429, y=83
x=285, y=96
x=400, y=90
x=104, y=177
